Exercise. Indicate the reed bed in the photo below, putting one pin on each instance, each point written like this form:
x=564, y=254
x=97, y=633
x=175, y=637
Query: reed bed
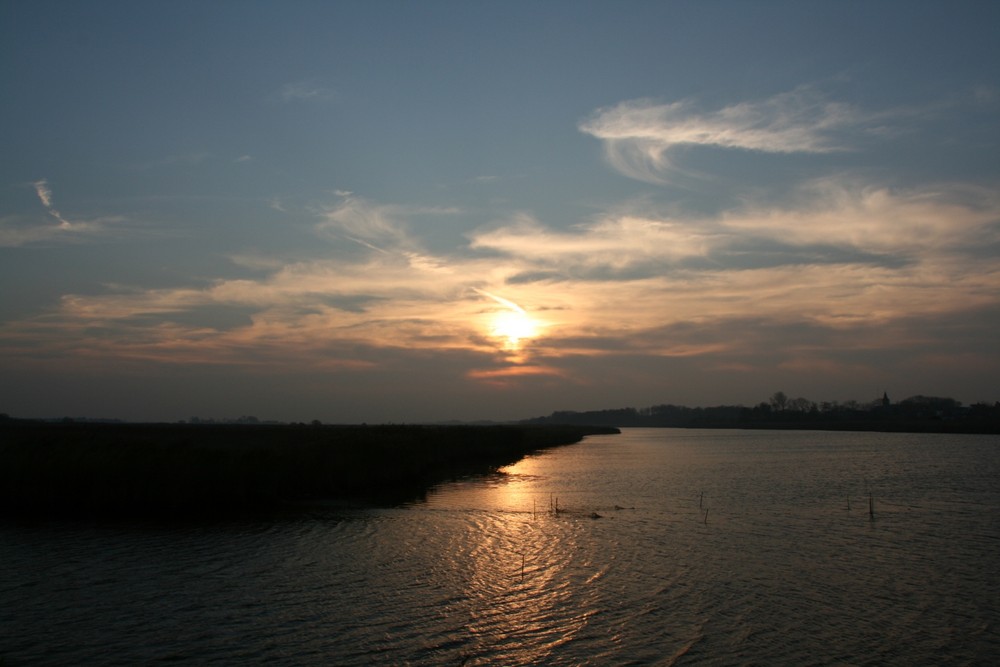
x=142, y=469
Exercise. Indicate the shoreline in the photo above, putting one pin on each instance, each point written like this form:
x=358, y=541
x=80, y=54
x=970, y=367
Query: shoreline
x=966, y=426
x=98, y=470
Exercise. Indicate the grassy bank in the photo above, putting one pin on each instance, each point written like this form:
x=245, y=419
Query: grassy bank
x=86, y=469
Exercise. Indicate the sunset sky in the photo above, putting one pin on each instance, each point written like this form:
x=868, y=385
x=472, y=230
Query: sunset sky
x=417, y=211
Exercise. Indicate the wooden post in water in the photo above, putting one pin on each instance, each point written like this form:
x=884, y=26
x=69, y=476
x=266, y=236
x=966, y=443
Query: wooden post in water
x=871, y=507
x=706, y=518
x=848, y=502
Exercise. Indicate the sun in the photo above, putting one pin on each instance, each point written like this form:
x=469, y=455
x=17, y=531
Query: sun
x=513, y=326
x=510, y=323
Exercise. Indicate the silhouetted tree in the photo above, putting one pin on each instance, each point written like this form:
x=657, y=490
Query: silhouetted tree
x=801, y=405
x=779, y=401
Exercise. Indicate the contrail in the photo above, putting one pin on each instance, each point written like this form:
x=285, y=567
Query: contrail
x=507, y=303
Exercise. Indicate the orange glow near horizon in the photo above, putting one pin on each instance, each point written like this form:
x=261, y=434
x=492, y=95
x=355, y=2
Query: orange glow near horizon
x=513, y=372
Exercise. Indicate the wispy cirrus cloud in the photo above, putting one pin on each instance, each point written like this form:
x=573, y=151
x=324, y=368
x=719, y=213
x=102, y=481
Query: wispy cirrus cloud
x=919, y=223
x=44, y=193
x=22, y=230
x=614, y=244
x=642, y=138
x=380, y=227
x=843, y=265
x=305, y=90
x=844, y=254
x=365, y=222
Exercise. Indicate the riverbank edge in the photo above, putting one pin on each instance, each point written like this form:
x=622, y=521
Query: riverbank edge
x=95, y=470
x=805, y=423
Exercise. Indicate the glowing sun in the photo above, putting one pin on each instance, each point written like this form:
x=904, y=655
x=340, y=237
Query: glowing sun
x=513, y=326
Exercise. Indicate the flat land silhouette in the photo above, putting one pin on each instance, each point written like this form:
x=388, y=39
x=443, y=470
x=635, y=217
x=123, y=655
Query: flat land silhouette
x=146, y=470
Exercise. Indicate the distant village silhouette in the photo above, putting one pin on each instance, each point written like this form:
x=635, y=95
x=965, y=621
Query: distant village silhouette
x=917, y=414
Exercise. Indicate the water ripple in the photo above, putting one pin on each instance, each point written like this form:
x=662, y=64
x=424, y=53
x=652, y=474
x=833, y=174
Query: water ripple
x=484, y=572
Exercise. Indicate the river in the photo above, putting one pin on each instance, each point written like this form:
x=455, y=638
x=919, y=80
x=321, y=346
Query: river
x=653, y=547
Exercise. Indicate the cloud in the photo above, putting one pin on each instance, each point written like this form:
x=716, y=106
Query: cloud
x=605, y=247
x=304, y=90
x=878, y=219
x=23, y=230
x=18, y=231
x=506, y=303
x=363, y=221
x=44, y=193
x=378, y=226
x=839, y=267
x=642, y=138
x=850, y=256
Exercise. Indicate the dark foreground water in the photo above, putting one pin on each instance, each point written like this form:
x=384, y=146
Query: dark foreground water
x=672, y=547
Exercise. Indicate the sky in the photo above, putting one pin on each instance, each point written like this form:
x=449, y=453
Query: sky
x=422, y=211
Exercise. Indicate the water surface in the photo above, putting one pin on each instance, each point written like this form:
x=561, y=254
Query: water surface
x=670, y=547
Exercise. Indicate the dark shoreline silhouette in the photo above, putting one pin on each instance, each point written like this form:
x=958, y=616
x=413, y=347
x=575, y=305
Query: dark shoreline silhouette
x=784, y=422
x=94, y=470
x=917, y=414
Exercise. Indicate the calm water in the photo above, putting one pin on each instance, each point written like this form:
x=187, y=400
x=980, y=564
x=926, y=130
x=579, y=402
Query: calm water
x=711, y=547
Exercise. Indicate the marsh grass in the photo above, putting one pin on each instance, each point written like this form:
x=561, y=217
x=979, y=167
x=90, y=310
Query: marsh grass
x=83, y=469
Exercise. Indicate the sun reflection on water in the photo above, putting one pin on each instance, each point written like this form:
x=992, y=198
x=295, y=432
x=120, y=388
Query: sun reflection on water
x=531, y=595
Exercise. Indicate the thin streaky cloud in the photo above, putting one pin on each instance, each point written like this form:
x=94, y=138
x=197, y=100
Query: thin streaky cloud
x=641, y=137
x=366, y=244
x=44, y=192
x=506, y=303
x=305, y=90
x=17, y=231
x=922, y=223
x=361, y=220
x=21, y=230
x=45, y=196
x=384, y=225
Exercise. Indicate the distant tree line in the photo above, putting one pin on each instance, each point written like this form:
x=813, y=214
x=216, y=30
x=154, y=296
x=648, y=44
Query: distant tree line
x=916, y=413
